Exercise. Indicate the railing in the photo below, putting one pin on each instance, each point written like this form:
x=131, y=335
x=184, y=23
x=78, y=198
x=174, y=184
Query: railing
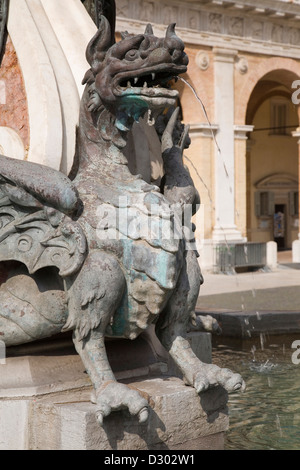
x=228, y=257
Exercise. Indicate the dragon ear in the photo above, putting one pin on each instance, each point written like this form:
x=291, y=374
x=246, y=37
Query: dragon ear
x=99, y=44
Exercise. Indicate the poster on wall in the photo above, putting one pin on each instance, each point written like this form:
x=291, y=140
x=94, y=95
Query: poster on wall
x=278, y=225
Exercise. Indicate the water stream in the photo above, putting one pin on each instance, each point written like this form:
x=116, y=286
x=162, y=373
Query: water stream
x=267, y=415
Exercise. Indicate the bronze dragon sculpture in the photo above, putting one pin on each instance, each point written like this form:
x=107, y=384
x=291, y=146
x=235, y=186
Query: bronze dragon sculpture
x=73, y=254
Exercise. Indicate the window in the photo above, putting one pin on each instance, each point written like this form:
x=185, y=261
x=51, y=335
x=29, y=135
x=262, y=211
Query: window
x=279, y=118
x=264, y=203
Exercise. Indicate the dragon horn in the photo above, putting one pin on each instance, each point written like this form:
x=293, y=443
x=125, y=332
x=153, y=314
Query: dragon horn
x=100, y=43
x=124, y=34
x=149, y=29
x=171, y=31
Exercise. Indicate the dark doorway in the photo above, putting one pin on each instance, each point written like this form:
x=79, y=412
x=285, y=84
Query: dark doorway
x=279, y=226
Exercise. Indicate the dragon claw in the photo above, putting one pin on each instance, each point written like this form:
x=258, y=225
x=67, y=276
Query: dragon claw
x=100, y=417
x=116, y=396
x=211, y=375
x=143, y=415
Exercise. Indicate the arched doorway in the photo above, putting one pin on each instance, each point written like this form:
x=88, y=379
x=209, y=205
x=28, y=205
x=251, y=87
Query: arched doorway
x=272, y=161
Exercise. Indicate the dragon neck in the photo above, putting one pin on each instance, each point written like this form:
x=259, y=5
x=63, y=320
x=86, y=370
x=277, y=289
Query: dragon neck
x=100, y=143
x=100, y=151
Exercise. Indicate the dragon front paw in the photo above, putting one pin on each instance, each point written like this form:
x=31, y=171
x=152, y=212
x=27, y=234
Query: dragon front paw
x=210, y=375
x=115, y=396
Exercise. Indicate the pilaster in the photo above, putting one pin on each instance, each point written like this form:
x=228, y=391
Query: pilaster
x=225, y=228
x=241, y=136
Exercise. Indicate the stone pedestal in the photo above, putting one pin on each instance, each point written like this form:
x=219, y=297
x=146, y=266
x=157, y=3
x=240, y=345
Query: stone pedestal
x=45, y=400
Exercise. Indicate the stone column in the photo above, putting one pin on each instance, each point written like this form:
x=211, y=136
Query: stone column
x=241, y=137
x=225, y=228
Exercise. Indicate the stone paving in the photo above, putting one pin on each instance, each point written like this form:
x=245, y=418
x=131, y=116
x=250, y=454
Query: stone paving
x=278, y=289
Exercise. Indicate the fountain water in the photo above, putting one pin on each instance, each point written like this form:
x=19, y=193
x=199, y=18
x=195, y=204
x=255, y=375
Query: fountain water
x=266, y=416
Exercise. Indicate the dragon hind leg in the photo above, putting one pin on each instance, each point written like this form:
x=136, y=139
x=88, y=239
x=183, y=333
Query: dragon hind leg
x=172, y=327
x=93, y=302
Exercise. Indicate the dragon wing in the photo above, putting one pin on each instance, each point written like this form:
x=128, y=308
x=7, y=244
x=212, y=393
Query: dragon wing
x=36, y=226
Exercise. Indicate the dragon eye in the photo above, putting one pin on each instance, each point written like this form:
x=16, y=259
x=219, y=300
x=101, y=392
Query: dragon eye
x=132, y=54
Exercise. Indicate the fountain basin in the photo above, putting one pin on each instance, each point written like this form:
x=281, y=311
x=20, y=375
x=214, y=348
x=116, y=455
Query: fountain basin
x=241, y=324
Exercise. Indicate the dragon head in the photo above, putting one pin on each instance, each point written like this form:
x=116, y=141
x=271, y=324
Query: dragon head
x=130, y=77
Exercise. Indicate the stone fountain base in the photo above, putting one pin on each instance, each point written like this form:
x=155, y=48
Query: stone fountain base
x=45, y=400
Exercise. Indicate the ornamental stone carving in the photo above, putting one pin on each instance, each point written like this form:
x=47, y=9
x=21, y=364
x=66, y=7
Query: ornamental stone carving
x=215, y=22
x=242, y=65
x=202, y=60
x=236, y=26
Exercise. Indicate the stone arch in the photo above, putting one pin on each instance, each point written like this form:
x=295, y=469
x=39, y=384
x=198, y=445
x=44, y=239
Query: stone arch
x=272, y=150
x=286, y=70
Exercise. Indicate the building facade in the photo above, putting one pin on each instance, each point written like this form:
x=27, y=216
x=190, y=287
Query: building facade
x=244, y=66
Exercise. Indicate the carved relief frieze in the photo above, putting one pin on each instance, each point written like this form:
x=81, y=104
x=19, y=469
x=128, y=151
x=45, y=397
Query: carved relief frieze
x=122, y=8
x=147, y=11
x=294, y=36
x=235, y=26
x=193, y=19
x=213, y=18
x=169, y=14
x=215, y=23
x=277, y=33
x=256, y=30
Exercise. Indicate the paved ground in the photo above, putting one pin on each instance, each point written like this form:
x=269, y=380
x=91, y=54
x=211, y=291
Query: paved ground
x=275, y=290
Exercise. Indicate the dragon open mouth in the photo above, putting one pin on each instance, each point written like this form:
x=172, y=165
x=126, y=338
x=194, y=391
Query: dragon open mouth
x=147, y=80
x=146, y=91
x=152, y=87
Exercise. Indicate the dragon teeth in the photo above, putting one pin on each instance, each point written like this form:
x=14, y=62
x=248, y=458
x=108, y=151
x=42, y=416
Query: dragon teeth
x=135, y=80
x=151, y=119
x=153, y=76
x=145, y=85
